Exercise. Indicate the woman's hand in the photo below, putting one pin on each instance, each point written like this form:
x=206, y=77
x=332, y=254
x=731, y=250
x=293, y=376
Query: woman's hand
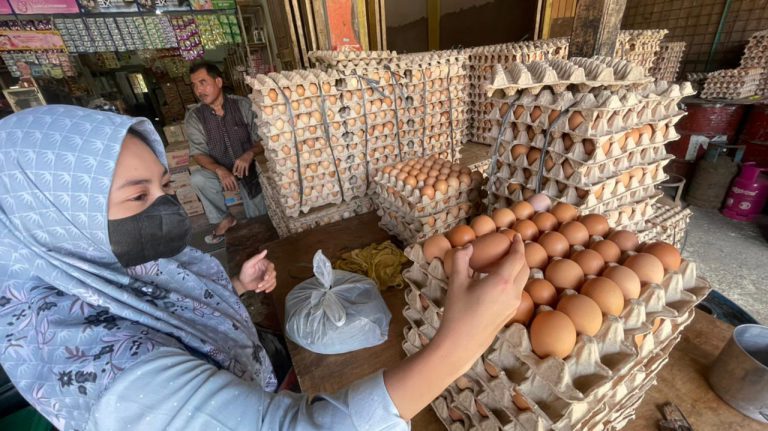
x=474, y=312
x=257, y=274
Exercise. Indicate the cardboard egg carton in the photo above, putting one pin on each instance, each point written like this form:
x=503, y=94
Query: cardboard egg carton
x=559, y=74
x=639, y=46
x=350, y=59
x=411, y=229
x=756, y=55
x=732, y=83
x=597, y=386
x=668, y=60
x=667, y=223
x=289, y=86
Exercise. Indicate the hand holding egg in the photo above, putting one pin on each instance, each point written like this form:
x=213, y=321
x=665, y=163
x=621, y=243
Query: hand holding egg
x=476, y=310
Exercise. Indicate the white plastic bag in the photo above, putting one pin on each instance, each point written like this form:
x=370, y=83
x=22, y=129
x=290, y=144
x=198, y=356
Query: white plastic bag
x=336, y=311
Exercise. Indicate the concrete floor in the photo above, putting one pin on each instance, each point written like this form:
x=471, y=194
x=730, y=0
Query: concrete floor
x=733, y=256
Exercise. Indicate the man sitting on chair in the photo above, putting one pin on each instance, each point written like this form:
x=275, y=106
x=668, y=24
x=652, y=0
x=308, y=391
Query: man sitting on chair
x=221, y=131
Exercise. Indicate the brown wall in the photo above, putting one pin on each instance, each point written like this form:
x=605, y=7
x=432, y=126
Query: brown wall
x=695, y=22
x=484, y=23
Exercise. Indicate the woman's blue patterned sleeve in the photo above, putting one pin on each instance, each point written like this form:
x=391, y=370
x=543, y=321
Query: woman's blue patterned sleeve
x=171, y=390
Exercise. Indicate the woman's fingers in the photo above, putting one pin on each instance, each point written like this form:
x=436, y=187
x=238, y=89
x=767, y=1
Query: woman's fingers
x=460, y=272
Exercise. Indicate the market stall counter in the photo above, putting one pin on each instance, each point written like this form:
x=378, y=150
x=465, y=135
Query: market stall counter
x=681, y=381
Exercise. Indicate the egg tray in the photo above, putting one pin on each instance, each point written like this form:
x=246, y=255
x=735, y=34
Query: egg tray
x=574, y=197
x=668, y=61
x=333, y=58
x=610, y=188
x=559, y=166
x=667, y=223
x=288, y=182
x=266, y=88
x=406, y=196
x=561, y=393
x=410, y=229
x=584, y=73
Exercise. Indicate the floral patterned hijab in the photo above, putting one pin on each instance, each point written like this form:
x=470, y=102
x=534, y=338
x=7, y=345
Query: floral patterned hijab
x=71, y=318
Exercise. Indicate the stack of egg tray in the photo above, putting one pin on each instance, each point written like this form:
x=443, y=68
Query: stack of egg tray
x=667, y=63
x=756, y=55
x=597, y=387
x=288, y=225
x=350, y=60
x=732, y=83
x=668, y=223
x=324, y=133
x=639, y=46
x=605, y=154
x=481, y=61
x=411, y=216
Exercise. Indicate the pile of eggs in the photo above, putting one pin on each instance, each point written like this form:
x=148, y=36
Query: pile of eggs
x=429, y=178
x=581, y=270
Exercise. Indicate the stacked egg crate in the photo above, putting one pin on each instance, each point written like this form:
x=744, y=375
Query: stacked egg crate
x=312, y=159
x=573, y=368
x=424, y=196
x=481, y=62
x=431, y=102
x=667, y=63
x=732, y=83
x=639, y=46
x=604, y=155
x=756, y=55
x=350, y=60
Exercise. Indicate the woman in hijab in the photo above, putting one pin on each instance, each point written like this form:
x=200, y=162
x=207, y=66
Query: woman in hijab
x=109, y=321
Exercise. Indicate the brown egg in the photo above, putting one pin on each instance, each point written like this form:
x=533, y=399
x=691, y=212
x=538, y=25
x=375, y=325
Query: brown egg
x=647, y=267
x=482, y=225
x=608, y=250
x=410, y=181
x=524, y=310
x=533, y=155
x=519, y=109
x=510, y=233
x=520, y=402
x=428, y=192
x=542, y=292
x=430, y=181
x=535, y=113
x=590, y=261
x=545, y=221
x=527, y=229
x=575, y=232
x=441, y=186
x=461, y=235
x=503, y=217
x=552, y=116
x=465, y=180
x=555, y=244
x=453, y=183
x=575, y=120
x=435, y=247
x=518, y=150
x=401, y=176
x=585, y=314
x=626, y=240
x=666, y=253
x=595, y=224
x=564, y=274
x=522, y=210
x=606, y=294
x=552, y=334
x=421, y=176
x=535, y=255
x=626, y=279
x=487, y=250
x=564, y=212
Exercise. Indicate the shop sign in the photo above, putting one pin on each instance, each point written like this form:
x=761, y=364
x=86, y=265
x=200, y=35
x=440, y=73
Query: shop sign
x=14, y=40
x=43, y=7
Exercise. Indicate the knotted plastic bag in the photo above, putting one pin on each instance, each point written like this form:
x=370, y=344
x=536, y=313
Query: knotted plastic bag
x=336, y=311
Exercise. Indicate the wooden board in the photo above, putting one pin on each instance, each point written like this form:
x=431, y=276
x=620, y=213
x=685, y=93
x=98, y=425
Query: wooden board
x=681, y=381
x=596, y=28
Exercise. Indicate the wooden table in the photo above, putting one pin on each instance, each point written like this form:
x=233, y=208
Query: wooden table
x=681, y=380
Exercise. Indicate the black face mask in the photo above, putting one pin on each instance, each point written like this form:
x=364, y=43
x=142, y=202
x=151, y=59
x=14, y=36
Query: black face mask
x=160, y=231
